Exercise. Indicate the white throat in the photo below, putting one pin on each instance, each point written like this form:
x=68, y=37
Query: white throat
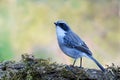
x=60, y=32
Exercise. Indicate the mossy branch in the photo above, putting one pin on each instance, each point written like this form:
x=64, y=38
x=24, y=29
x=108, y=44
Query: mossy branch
x=30, y=68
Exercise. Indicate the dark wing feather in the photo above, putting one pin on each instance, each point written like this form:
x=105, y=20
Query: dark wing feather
x=73, y=41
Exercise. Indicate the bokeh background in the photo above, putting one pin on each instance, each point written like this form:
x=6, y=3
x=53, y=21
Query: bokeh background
x=26, y=26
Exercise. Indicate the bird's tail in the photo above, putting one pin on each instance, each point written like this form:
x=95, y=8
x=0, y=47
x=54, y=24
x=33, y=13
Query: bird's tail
x=98, y=64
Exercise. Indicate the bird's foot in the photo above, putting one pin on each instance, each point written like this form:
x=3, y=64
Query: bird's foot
x=81, y=67
x=69, y=67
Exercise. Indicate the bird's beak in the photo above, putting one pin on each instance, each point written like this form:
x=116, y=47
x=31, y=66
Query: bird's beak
x=55, y=23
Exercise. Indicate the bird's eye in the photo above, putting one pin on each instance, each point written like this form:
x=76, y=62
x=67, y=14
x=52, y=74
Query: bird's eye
x=64, y=26
x=61, y=24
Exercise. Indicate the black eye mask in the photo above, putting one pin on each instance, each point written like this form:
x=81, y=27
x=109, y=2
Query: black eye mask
x=64, y=26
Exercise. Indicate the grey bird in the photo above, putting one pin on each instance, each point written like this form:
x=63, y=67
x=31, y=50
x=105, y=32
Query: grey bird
x=72, y=45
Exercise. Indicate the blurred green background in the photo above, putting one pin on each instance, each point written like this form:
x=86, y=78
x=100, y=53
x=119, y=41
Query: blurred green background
x=26, y=26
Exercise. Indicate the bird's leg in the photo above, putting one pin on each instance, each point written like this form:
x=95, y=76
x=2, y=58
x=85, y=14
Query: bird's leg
x=80, y=62
x=74, y=62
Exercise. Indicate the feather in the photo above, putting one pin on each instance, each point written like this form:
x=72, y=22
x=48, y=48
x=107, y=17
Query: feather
x=71, y=40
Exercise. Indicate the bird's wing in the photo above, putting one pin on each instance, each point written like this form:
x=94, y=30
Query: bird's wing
x=71, y=40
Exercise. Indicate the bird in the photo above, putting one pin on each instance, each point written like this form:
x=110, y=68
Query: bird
x=72, y=45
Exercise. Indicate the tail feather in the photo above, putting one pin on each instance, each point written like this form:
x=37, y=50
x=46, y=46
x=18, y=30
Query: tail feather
x=98, y=64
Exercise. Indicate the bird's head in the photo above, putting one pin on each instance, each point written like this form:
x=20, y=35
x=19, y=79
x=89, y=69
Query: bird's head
x=62, y=25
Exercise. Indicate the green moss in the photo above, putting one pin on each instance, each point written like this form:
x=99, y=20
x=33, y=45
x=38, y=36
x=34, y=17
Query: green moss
x=30, y=68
